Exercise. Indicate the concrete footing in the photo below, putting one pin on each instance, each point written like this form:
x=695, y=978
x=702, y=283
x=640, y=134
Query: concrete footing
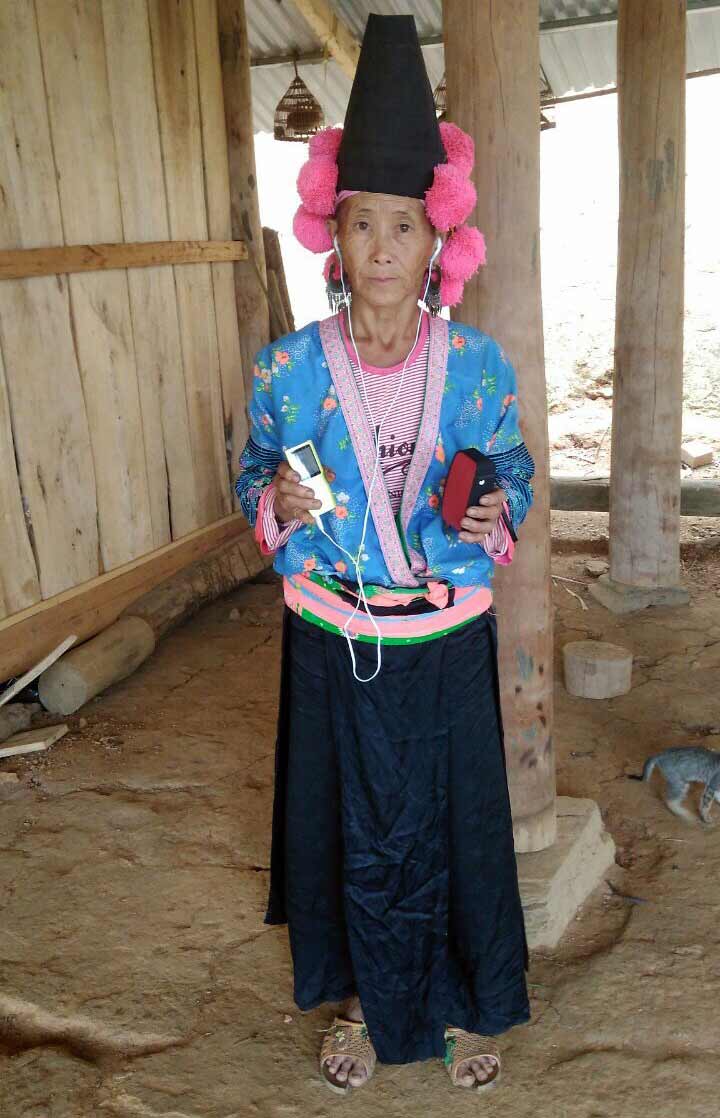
x=618, y=597
x=555, y=882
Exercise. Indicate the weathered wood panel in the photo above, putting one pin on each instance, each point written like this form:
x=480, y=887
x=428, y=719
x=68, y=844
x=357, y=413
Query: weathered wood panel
x=217, y=194
x=173, y=46
x=166, y=424
x=51, y=439
x=252, y=306
x=19, y=585
x=74, y=66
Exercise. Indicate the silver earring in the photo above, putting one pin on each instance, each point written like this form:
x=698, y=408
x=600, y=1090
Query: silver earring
x=339, y=296
x=432, y=299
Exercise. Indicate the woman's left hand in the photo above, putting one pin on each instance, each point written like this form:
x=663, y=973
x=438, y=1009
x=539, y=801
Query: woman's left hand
x=481, y=519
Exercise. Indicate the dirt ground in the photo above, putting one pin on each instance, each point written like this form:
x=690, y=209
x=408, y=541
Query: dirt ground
x=139, y=981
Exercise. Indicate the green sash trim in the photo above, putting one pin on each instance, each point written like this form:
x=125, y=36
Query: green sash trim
x=371, y=638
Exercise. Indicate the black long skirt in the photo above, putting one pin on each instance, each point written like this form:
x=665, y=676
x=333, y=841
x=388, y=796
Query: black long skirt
x=392, y=857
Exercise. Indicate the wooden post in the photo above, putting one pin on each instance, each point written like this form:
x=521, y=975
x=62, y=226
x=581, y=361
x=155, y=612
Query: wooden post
x=647, y=395
x=492, y=64
x=250, y=275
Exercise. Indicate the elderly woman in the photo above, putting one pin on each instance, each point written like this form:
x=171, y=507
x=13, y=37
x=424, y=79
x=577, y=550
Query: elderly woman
x=392, y=857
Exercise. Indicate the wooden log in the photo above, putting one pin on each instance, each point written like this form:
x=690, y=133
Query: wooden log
x=32, y=673
x=75, y=73
x=189, y=590
x=597, y=669
x=55, y=260
x=176, y=82
x=644, y=525
x=87, y=609
x=275, y=263
x=577, y=494
x=118, y=650
x=492, y=61
x=86, y=671
x=48, y=446
x=252, y=307
x=217, y=194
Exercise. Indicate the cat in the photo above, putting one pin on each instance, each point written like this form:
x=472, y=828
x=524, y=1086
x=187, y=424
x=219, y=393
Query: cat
x=681, y=766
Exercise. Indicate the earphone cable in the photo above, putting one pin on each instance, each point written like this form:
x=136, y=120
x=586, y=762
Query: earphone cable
x=355, y=560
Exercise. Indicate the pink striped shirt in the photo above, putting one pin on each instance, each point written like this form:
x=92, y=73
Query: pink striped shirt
x=400, y=428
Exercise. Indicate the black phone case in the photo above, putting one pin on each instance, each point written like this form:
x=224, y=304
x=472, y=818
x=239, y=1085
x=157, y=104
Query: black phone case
x=486, y=482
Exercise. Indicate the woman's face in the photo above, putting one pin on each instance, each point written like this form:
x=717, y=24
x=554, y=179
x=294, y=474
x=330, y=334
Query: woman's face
x=386, y=242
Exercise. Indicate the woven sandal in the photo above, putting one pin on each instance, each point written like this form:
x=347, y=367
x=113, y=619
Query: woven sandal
x=461, y=1046
x=346, y=1038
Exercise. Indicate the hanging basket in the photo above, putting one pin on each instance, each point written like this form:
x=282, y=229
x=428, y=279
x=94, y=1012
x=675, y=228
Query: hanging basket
x=299, y=115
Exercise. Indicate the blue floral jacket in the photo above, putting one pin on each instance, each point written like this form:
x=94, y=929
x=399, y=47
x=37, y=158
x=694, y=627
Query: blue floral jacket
x=304, y=388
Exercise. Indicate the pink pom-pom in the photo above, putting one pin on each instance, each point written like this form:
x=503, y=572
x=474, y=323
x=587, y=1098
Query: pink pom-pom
x=311, y=231
x=463, y=253
x=450, y=198
x=459, y=147
x=316, y=184
x=329, y=263
x=451, y=291
x=326, y=142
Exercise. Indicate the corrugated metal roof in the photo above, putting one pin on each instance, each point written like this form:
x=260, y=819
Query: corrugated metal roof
x=574, y=58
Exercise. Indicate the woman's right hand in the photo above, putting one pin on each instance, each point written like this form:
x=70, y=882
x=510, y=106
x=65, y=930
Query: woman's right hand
x=293, y=500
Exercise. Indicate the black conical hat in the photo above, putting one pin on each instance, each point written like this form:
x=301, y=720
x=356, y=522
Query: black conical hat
x=391, y=138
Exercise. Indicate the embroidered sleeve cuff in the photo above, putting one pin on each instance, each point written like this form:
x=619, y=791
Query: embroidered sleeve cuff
x=270, y=532
x=499, y=544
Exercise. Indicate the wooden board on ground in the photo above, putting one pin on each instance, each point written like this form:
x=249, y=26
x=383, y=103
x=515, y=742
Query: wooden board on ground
x=33, y=741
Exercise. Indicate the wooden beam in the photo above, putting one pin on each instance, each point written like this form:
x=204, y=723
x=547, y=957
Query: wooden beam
x=579, y=494
x=20, y=263
x=648, y=375
x=497, y=101
x=332, y=31
x=27, y=636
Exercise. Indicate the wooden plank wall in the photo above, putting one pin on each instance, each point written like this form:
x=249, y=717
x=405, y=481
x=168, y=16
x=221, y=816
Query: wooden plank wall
x=118, y=389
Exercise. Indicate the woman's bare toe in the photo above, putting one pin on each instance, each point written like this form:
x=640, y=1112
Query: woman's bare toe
x=479, y=1069
x=347, y=1069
